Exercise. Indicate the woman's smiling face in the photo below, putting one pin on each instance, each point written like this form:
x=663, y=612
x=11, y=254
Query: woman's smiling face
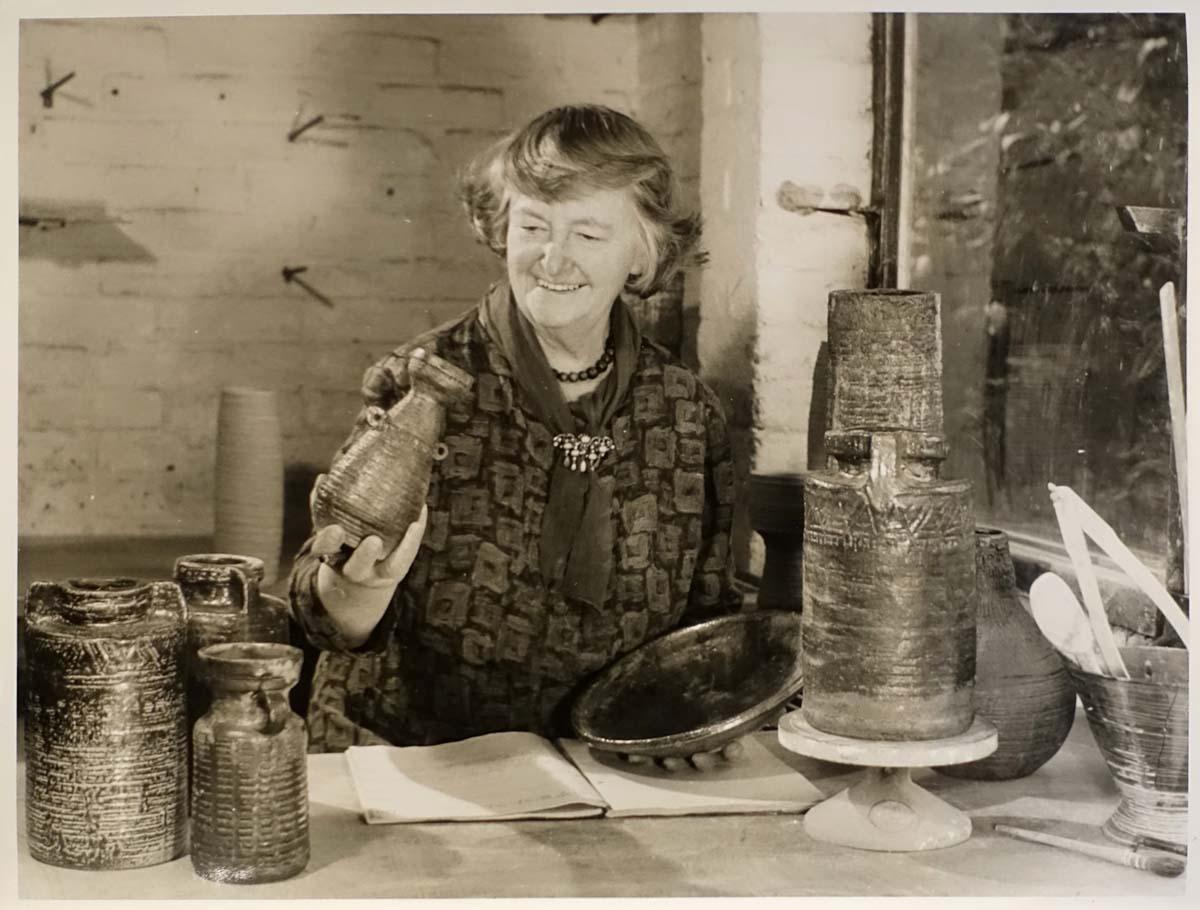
x=569, y=259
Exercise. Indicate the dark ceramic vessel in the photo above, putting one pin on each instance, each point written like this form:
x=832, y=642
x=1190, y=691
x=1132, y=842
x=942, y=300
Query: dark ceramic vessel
x=1021, y=683
x=105, y=723
x=224, y=603
x=694, y=689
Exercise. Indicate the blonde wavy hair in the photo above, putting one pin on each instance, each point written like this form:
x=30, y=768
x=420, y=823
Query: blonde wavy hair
x=582, y=146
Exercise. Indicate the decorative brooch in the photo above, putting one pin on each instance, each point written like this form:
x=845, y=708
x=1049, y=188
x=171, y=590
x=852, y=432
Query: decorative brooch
x=583, y=453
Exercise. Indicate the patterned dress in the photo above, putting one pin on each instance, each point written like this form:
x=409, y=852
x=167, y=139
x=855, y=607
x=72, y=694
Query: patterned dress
x=473, y=641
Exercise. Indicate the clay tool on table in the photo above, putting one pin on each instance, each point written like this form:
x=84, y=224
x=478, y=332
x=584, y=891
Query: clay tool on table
x=1062, y=620
x=1077, y=549
x=1086, y=520
x=1159, y=863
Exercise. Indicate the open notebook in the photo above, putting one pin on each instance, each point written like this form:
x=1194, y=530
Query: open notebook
x=502, y=776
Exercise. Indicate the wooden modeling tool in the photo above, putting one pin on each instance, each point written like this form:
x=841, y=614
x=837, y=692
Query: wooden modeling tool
x=1159, y=863
x=1106, y=538
x=1064, y=623
x=1170, y=322
x=1077, y=549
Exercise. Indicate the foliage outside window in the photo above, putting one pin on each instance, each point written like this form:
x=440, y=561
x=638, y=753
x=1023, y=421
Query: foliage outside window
x=1029, y=131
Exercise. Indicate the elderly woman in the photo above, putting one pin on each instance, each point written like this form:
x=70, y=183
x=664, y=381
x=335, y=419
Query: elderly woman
x=585, y=506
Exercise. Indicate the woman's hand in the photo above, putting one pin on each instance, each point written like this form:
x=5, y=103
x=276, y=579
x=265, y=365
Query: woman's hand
x=357, y=594
x=701, y=761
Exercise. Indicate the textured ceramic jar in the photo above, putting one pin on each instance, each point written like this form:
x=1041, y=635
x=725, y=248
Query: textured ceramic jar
x=249, y=772
x=224, y=603
x=1021, y=683
x=889, y=590
x=885, y=359
x=105, y=723
x=377, y=487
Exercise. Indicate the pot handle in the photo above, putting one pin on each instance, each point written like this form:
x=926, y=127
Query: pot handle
x=247, y=585
x=275, y=711
x=881, y=477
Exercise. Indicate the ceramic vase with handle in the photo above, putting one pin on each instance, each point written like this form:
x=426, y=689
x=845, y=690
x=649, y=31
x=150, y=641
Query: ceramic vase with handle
x=377, y=487
x=105, y=723
x=224, y=603
x=249, y=767
x=1021, y=683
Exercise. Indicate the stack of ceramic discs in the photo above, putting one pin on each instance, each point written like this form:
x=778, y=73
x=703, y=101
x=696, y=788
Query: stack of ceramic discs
x=889, y=547
x=248, y=517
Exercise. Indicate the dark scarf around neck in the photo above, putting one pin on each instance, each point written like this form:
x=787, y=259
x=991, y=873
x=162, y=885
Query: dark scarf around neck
x=577, y=532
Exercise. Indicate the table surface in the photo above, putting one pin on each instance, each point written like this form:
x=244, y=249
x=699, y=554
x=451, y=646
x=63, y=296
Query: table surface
x=710, y=856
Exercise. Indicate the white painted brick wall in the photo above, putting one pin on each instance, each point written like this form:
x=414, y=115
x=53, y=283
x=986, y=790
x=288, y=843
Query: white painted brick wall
x=786, y=97
x=173, y=135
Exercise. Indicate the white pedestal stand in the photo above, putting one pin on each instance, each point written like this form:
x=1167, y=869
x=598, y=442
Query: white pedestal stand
x=885, y=810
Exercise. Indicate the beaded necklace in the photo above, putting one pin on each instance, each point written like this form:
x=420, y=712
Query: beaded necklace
x=591, y=372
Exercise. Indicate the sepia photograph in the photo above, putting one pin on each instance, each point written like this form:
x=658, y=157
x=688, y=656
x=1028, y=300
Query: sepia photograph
x=598, y=451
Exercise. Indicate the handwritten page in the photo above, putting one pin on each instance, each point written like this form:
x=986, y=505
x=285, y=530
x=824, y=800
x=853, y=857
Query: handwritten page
x=497, y=776
x=767, y=778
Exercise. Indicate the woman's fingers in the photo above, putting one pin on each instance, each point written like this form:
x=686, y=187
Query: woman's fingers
x=360, y=567
x=733, y=751
x=674, y=763
x=705, y=761
x=328, y=540
x=398, y=561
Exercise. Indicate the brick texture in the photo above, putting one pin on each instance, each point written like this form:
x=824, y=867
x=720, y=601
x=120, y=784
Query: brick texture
x=167, y=157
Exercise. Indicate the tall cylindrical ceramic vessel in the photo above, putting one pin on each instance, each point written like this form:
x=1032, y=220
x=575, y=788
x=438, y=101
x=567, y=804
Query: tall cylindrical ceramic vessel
x=889, y=590
x=885, y=358
x=105, y=724
x=248, y=515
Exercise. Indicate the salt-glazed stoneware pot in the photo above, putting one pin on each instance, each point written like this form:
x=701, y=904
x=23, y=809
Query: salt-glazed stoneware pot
x=249, y=771
x=224, y=603
x=377, y=487
x=889, y=590
x=105, y=723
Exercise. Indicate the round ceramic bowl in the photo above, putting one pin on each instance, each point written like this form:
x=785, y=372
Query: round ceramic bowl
x=694, y=689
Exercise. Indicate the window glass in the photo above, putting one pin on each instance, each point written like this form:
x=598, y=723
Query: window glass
x=1029, y=131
